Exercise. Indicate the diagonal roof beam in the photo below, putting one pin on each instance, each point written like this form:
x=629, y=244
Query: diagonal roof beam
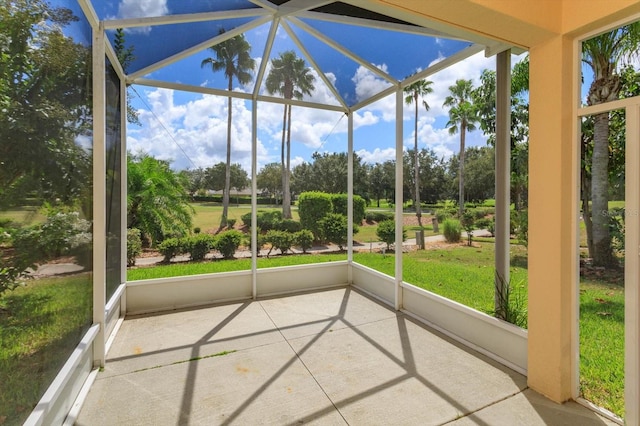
x=337, y=46
x=378, y=25
x=437, y=25
x=199, y=47
x=183, y=19
x=445, y=63
x=265, y=57
x=295, y=6
x=266, y=5
x=313, y=63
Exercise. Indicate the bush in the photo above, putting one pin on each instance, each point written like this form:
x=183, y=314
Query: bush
x=479, y=213
x=492, y=226
x=303, y=239
x=266, y=219
x=340, y=205
x=228, y=242
x=335, y=229
x=289, y=225
x=279, y=240
x=442, y=215
x=313, y=207
x=134, y=245
x=170, y=248
x=246, y=219
x=452, y=230
x=377, y=216
x=231, y=223
x=483, y=223
x=386, y=231
x=522, y=228
x=199, y=245
x=468, y=223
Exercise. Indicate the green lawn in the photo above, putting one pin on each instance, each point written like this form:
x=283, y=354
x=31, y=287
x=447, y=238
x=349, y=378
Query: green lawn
x=40, y=325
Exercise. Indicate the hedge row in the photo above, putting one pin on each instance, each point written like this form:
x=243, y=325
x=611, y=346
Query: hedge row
x=199, y=245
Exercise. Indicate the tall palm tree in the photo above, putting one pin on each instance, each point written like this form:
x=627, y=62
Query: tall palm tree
x=291, y=78
x=463, y=116
x=603, y=54
x=414, y=91
x=233, y=57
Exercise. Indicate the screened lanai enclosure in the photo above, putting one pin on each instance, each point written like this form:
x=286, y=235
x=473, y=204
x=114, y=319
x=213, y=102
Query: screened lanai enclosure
x=331, y=343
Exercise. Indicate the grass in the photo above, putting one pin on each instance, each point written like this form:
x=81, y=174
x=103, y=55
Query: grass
x=27, y=215
x=209, y=267
x=602, y=344
x=40, y=325
x=463, y=274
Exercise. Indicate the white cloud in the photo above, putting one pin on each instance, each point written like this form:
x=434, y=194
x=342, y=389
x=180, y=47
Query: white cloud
x=367, y=83
x=142, y=9
x=377, y=155
x=198, y=126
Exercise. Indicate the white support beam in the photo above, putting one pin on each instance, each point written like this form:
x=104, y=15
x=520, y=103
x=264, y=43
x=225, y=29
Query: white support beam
x=443, y=64
x=183, y=19
x=201, y=46
x=267, y=5
x=123, y=180
x=398, y=303
x=632, y=267
x=265, y=56
x=305, y=104
x=99, y=195
x=292, y=7
x=503, y=174
x=337, y=46
x=350, y=194
x=90, y=13
x=190, y=88
x=309, y=57
x=254, y=199
x=426, y=21
x=378, y=25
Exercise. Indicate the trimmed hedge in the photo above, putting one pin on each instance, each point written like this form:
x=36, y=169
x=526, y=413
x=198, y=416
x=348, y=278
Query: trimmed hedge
x=340, y=204
x=313, y=206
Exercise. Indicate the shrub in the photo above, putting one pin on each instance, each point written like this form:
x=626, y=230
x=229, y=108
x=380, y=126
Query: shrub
x=246, y=219
x=492, y=226
x=377, y=216
x=483, y=223
x=303, y=239
x=134, y=245
x=279, y=240
x=228, y=242
x=522, y=228
x=339, y=203
x=199, y=245
x=335, y=228
x=197, y=230
x=266, y=219
x=386, y=231
x=313, y=207
x=468, y=223
x=479, y=213
x=452, y=230
x=289, y=225
x=442, y=215
x=170, y=248
x=231, y=223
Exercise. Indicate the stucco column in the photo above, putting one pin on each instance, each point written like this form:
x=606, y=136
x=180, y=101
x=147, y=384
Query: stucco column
x=553, y=174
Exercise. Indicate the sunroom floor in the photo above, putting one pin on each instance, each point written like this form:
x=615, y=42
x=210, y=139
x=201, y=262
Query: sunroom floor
x=329, y=358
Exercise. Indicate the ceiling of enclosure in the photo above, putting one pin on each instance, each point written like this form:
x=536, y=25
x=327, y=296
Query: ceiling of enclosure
x=356, y=55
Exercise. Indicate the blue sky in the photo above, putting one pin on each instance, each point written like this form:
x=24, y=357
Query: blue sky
x=190, y=129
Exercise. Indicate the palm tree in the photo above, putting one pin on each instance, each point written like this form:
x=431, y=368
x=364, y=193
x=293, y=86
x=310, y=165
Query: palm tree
x=157, y=198
x=233, y=57
x=415, y=90
x=463, y=116
x=291, y=78
x=603, y=54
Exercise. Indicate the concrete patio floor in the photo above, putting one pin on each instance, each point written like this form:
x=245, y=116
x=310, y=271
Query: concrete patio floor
x=333, y=357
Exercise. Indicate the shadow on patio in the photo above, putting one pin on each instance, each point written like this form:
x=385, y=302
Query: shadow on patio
x=329, y=357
